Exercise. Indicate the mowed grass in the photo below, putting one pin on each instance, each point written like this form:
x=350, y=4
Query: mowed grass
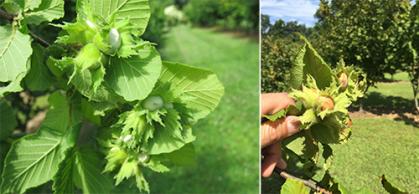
x=227, y=140
x=401, y=89
x=401, y=86
x=381, y=145
x=378, y=146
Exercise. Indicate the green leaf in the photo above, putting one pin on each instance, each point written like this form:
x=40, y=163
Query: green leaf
x=13, y=6
x=308, y=118
x=156, y=166
x=7, y=119
x=34, y=159
x=58, y=116
x=199, y=89
x=128, y=169
x=13, y=86
x=82, y=169
x=15, y=49
x=48, y=10
x=39, y=77
x=280, y=114
x=63, y=179
x=185, y=156
x=77, y=33
x=391, y=188
x=309, y=62
x=32, y=4
x=297, y=71
x=133, y=78
x=88, y=57
x=329, y=130
x=165, y=142
x=89, y=175
x=292, y=186
x=85, y=81
x=16, y=6
x=310, y=147
x=137, y=11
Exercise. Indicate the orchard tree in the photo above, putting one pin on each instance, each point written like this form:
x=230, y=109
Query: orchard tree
x=367, y=34
x=280, y=44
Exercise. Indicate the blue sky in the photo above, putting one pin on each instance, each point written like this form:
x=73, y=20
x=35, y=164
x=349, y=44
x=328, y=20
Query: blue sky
x=291, y=10
x=301, y=11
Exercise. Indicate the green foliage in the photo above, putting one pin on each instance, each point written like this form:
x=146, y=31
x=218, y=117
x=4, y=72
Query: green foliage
x=133, y=78
x=293, y=186
x=279, y=46
x=14, y=68
x=157, y=25
x=367, y=34
x=39, y=155
x=276, y=62
x=230, y=14
x=7, y=120
x=115, y=107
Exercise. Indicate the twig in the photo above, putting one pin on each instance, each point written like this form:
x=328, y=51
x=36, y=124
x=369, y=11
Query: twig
x=39, y=39
x=6, y=15
x=308, y=183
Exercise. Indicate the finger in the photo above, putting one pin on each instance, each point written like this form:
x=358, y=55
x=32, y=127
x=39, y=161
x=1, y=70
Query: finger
x=273, y=131
x=273, y=102
x=282, y=164
x=272, y=157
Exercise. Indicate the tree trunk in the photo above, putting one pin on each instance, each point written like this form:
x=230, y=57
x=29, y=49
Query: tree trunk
x=415, y=96
x=414, y=80
x=361, y=100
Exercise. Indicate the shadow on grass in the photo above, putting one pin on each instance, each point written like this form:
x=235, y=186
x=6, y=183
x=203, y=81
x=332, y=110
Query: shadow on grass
x=379, y=104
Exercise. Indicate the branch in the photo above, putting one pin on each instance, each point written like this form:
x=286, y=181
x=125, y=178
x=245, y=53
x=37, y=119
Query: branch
x=308, y=183
x=5, y=15
x=39, y=39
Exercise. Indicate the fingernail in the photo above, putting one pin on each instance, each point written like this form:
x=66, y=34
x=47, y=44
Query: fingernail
x=282, y=164
x=293, y=124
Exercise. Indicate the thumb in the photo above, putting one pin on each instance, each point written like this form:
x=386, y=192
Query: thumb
x=273, y=131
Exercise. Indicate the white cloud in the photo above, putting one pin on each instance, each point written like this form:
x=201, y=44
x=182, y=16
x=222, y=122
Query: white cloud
x=291, y=10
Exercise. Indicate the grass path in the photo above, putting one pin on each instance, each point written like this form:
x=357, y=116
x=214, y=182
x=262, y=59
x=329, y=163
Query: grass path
x=379, y=146
x=227, y=140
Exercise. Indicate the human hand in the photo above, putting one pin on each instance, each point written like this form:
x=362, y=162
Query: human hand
x=273, y=132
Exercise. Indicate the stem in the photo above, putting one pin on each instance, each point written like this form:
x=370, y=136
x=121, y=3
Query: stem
x=309, y=183
x=5, y=15
x=39, y=39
